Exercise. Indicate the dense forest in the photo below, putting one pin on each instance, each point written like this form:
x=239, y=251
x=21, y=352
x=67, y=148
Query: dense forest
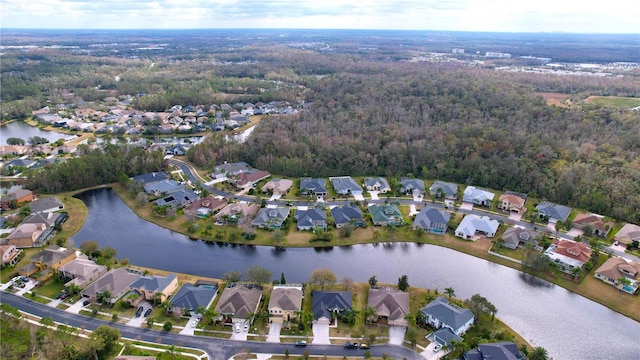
x=95, y=167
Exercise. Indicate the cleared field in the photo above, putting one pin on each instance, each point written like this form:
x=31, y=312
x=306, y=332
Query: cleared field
x=613, y=101
x=556, y=99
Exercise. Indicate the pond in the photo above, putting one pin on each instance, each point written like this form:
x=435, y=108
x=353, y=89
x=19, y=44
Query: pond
x=24, y=131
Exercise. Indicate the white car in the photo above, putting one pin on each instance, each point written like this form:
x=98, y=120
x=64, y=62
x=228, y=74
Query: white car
x=194, y=323
x=437, y=348
x=236, y=327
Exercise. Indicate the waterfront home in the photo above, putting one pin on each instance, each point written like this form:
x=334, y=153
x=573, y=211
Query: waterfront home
x=478, y=196
x=383, y=215
x=190, y=298
x=413, y=187
x=516, y=236
x=513, y=202
x=151, y=177
x=569, y=254
x=204, y=206
x=345, y=185
x=441, y=314
x=311, y=186
x=285, y=303
x=81, y=271
x=392, y=305
x=153, y=288
x=178, y=199
x=49, y=219
x=473, y=225
x=268, y=218
x=628, y=234
x=49, y=204
x=615, y=268
x=114, y=283
x=47, y=261
x=27, y=235
x=311, y=219
x=9, y=254
x=277, y=186
x=163, y=187
x=432, y=220
x=376, y=184
x=495, y=351
x=553, y=211
x=444, y=337
x=444, y=190
x=325, y=304
x=343, y=215
x=238, y=301
x=235, y=213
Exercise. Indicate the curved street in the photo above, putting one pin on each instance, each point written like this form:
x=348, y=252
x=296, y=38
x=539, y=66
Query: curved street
x=218, y=349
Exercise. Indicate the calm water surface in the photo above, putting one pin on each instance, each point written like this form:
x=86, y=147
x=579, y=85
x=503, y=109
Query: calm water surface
x=567, y=325
x=24, y=131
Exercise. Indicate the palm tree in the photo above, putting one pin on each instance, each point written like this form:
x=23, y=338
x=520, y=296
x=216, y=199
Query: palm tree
x=623, y=281
x=411, y=318
x=370, y=313
x=103, y=296
x=450, y=292
x=157, y=297
x=539, y=353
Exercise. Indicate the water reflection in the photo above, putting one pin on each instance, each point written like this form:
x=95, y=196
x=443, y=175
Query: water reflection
x=536, y=282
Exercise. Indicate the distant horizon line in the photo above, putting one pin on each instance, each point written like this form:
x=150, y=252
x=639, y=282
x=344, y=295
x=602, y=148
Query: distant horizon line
x=555, y=32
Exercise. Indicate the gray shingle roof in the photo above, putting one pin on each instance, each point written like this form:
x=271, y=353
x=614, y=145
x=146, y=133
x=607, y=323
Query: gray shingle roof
x=450, y=315
x=554, y=211
x=428, y=217
x=268, y=217
x=407, y=184
x=343, y=215
x=151, y=177
x=314, y=185
x=311, y=218
x=324, y=302
x=153, y=283
x=239, y=301
x=345, y=185
x=46, y=204
x=192, y=297
x=450, y=189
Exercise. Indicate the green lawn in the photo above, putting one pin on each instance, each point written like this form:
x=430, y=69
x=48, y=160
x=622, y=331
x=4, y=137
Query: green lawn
x=614, y=101
x=50, y=290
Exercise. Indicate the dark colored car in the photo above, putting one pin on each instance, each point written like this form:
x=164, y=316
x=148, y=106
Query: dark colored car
x=350, y=345
x=301, y=343
x=139, y=311
x=148, y=312
x=86, y=302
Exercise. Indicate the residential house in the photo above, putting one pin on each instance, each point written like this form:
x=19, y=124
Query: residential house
x=445, y=337
x=592, y=223
x=268, y=218
x=162, y=187
x=226, y=170
x=478, y=196
x=153, y=288
x=513, y=202
x=343, y=215
x=392, y=305
x=115, y=282
x=9, y=254
x=190, y=298
x=48, y=260
x=204, y=206
x=311, y=186
x=345, y=185
x=383, y=215
x=569, y=254
x=414, y=187
x=432, y=220
x=444, y=190
x=277, y=186
x=236, y=212
x=327, y=303
x=15, y=198
x=376, y=184
x=516, y=236
x=27, y=235
x=285, y=303
x=553, y=211
x=178, y=199
x=50, y=204
x=615, y=268
x=81, y=271
x=249, y=179
x=49, y=219
x=22, y=163
x=495, y=351
x=474, y=224
x=13, y=149
x=628, y=234
x=440, y=314
x=311, y=219
x=238, y=302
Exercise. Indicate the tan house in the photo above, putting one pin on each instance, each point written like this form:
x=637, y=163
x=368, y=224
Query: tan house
x=81, y=271
x=26, y=235
x=236, y=303
x=234, y=213
x=615, y=268
x=628, y=234
x=47, y=261
x=594, y=222
x=116, y=282
x=15, y=198
x=512, y=202
x=148, y=286
x=205, y=205
x=9, y=254
x=249, y=179
x=392, y=305
x=285, y=303
x=277, y=186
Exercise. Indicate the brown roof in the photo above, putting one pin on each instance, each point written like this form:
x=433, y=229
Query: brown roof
x=278, y=185
x=611, y=269
x=582, y=220
x=575, y=250
x=512, y=199
x=239, y=301
x=286, y=298
x=628, y=233
x=249, y=178
x=209, y=202
x=390, y=303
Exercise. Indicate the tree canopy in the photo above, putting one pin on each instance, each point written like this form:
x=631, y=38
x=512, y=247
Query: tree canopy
x=322, y=277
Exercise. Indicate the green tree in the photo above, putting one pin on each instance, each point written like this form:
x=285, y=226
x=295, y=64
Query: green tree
x=373, y=281
x=15, y=141
x=167, y=326
x=107, y=337
x=232, y=276
x=450, y=292
x=89, y=248
x=322, y=277
x=104, y=296
x=370, y=314
x=479, y=305
x=403, y=283
x=539, y=353
x=282, y=279
x=258, y=275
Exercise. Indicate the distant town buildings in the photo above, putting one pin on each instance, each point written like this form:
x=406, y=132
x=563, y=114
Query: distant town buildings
x=491, y=54
x=457, y=51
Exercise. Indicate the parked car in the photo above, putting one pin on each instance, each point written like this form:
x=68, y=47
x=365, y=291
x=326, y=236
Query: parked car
x=86, y=302
x=246, y=326
x=301, y=343
x=139, y=311
x=364, y=346
x=350, y=345
x=194, y=323
x=437, y=348
x=616, y=243
x=148, y=312
x=236, y=327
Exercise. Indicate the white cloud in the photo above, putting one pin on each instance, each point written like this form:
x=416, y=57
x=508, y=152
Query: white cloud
x=472, y=15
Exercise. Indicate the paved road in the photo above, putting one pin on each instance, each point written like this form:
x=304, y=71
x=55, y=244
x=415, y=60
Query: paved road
x=217, y=349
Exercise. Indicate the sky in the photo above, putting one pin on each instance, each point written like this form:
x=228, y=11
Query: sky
x=575, y=16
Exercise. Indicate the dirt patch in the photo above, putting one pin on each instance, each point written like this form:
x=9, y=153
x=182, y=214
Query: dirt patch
x=556, y=99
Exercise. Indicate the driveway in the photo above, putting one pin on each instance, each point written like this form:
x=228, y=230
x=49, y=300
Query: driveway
x=275, y=197
x=137, y=321
x=396, y=334
x=515, y=216
x=430, y=355
x=191, y=325
x=77, y=306
x=374, y=195
x=27, y=287
x=466, y=206
x=321, y=334
x=358, y=196
x=242, y=335
x=412, y=210
x=575, y=232
x=274, y=332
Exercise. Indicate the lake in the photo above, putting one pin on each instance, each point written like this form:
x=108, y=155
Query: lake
x=24, y=131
